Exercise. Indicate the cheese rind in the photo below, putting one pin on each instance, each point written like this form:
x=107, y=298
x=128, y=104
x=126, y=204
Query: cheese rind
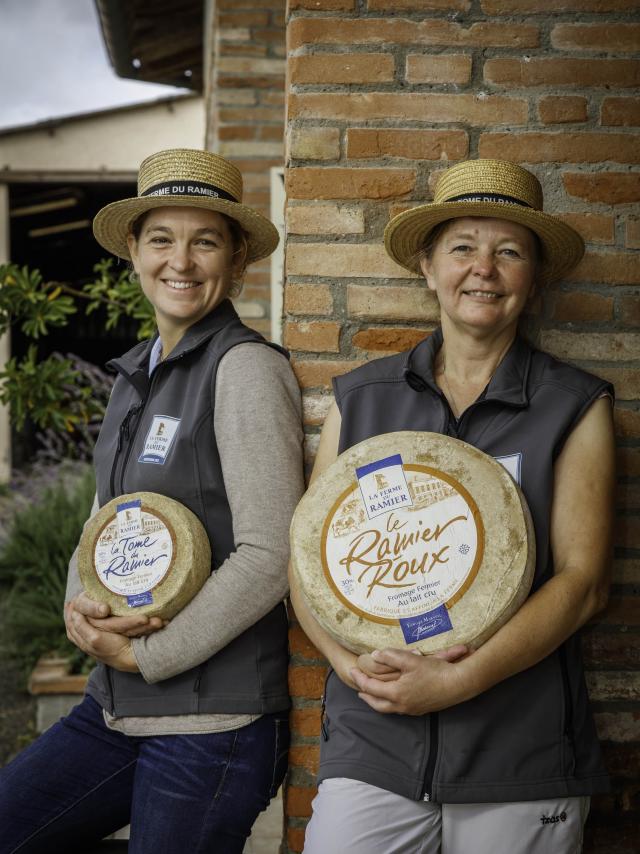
x=413, y=540
x=144, y=553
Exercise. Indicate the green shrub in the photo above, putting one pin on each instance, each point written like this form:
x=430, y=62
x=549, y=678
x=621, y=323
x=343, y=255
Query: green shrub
x=33, y=569
x=57, y=392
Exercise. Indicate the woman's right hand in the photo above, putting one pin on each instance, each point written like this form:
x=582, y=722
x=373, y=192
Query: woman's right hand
x=99, y=615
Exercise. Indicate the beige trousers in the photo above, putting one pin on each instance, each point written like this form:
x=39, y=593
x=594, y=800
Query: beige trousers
x=350, y=817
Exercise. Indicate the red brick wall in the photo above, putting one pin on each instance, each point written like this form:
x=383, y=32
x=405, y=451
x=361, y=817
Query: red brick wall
x=378, y=104
x=246, y=113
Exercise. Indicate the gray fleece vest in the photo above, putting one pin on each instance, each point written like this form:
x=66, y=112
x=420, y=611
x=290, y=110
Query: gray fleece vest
x=250, y=674
x=531, y=736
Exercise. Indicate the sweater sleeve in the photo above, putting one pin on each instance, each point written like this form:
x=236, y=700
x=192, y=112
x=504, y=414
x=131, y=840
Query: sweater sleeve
x=259, y=436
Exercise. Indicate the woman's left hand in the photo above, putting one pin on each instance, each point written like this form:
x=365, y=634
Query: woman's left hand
x=105, y=646
x=406, y=683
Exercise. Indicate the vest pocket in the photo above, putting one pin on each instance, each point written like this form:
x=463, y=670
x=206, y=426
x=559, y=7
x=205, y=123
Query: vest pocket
x=324, y=717
x=568, y=759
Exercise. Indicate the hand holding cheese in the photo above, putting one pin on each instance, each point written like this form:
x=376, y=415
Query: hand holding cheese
x=105, y=646
x=415, y=684
x=99, y=615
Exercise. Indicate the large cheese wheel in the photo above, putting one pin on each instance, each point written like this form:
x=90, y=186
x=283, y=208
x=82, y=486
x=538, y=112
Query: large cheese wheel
x=413, y=540
x=144, y=553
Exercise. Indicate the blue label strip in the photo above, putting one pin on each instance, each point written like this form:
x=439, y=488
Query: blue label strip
x=137, y=502
x=140, y=599
x=151, y=458
x=426, y=625
x=395, y=460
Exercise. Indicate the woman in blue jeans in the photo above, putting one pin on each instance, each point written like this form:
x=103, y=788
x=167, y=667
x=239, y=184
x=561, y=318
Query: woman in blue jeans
x=183, y=732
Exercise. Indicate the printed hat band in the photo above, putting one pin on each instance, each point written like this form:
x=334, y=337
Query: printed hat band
x=188, y=188
x=489, y=197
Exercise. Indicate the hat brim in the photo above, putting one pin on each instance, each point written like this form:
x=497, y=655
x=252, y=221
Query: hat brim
x=112, y=224
x=562, y=246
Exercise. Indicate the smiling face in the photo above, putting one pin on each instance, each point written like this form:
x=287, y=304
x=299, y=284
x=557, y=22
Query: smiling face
x=184, y=258
x=483, y=271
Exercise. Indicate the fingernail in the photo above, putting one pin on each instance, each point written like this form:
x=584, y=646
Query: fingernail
x=103, y=610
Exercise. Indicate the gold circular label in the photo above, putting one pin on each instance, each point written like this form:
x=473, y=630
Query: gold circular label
x=401, y=544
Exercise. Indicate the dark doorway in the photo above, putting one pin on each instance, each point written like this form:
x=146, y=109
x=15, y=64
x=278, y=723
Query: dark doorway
x=51, y=231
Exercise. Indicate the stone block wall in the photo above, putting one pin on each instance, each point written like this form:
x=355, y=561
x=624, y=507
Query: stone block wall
x=378, y=103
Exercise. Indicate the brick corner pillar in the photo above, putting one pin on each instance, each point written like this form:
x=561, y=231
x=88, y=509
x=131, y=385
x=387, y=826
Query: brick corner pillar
x=246, y=117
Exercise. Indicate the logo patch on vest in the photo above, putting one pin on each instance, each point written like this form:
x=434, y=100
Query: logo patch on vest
x=159, y=439
x=513, y=464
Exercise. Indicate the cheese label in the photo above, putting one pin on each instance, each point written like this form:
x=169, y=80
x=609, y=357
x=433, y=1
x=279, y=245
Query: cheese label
x=129, y=518
x=140, y=599
x=426, y=625
x=159, y=439
x=409, y=562
x=130, y=562
x=383, y=486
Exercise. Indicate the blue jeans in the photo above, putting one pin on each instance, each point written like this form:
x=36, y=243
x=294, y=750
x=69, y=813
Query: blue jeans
x=80, y=781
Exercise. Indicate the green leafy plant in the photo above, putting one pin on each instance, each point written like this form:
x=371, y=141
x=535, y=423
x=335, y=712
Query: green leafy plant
x=54, y=392
x=122, y=296
x=48, y=391
x=37, y=304
x=33, y=569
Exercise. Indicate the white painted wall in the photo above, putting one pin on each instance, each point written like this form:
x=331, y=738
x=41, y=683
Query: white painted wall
x=95, y=146
x=111, y=141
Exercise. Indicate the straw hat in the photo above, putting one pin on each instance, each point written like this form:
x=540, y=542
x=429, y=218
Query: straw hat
x=491, y=188
x=185, y=177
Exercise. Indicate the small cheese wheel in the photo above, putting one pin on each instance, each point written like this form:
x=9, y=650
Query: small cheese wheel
x=144, y=553
x=413, y=540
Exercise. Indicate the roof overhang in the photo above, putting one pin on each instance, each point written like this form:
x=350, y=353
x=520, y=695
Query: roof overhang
x=157, y=42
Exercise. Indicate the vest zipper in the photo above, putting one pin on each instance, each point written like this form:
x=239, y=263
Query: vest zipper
x=568, y=703
x=112, y=697
x=129, y=438
x=196, y=689
x=324, y=720
x=433, y=755
x=123, y=436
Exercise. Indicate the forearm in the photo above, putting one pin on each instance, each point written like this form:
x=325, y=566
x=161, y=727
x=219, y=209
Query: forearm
x=249, y=584
x=340, y=659
x=555, y=612
x=424, y=684
x=581, y=536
